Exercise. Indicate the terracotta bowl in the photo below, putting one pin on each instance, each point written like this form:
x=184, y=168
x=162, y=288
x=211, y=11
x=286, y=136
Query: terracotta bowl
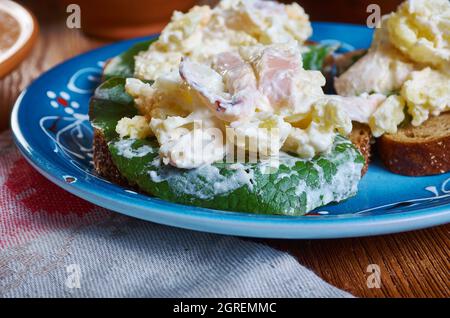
x=120, y=19
x=18, y=33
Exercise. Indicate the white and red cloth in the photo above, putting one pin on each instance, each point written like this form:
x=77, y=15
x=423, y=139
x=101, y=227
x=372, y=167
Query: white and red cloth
x=53, y=244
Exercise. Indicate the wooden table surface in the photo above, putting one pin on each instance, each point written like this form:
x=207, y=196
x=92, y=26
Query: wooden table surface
x=413, y=264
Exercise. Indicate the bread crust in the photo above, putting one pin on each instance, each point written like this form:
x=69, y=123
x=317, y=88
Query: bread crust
x=103, y=162
x=415, y=158
x=361, y=137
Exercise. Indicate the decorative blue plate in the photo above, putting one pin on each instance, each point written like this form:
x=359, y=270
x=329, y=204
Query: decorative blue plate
x=52, y=130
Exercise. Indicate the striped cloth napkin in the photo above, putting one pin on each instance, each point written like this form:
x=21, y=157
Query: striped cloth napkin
x=53, y=244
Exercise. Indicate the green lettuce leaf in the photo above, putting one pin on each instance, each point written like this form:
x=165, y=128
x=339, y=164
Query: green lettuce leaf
x=123, y=64
x=315, y=57
x=109, y=104
x=296, y=187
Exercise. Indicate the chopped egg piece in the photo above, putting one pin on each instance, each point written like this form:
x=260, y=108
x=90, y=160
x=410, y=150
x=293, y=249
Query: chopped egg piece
x=327, y=118
x=193, y=149
x=168, y=96
x=189, y=142
x=136, y=127
x=426, y=93
x=358, y=108
x=387, y=116
x=421, y=30
x=264, y=133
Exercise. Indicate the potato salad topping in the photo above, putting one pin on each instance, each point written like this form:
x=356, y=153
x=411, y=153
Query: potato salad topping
x=409, y=61
x=258, y=99
x=204, y=32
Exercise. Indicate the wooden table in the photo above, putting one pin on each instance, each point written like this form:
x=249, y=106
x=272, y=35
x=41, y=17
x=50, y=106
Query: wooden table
x=414, y=264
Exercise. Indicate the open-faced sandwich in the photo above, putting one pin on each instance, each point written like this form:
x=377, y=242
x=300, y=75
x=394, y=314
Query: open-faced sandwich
x=226, y=110
x=409, y=63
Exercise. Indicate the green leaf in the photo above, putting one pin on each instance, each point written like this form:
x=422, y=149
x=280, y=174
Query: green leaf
x=123, y=64
x=109, y=104
x=315, y=57
x=114, y=91
x=297, y=186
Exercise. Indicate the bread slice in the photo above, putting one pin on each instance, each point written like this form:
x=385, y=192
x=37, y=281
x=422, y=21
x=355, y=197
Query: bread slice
x=361, y=137
x=106, y=168
x=103, y=162
x=418, y=151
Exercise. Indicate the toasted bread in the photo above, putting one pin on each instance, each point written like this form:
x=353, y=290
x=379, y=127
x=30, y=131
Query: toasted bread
x=418, y=151
x=361, y=137
x=103, y=162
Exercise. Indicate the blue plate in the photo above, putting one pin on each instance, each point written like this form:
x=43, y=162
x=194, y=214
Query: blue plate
x=52, y=130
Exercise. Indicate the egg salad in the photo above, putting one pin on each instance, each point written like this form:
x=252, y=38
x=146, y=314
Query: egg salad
x=408, y=62
x=259, y=97
x=421, y=30
x=204, y=32
x=250, y=87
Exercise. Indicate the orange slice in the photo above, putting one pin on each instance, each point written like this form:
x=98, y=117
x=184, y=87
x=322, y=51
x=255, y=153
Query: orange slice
x=18, y=32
